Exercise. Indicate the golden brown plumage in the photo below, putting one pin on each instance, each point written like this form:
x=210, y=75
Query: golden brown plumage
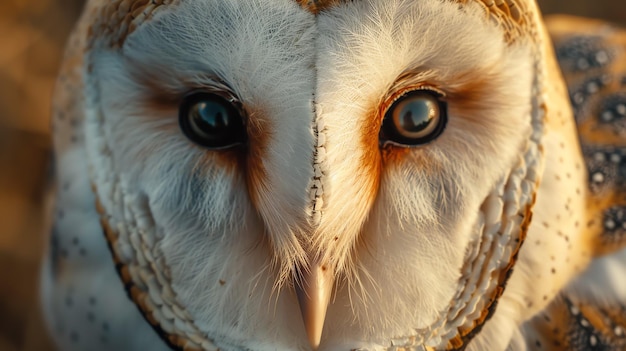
x=592, y=55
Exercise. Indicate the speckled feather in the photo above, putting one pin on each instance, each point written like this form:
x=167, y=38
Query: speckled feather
x=590, y=313
x=84, y=301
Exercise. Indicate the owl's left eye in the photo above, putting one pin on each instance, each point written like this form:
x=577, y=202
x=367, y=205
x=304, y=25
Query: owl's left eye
x=415, y=118
x=211, y=121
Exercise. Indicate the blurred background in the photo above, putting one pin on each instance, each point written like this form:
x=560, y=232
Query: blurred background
x=32, y=36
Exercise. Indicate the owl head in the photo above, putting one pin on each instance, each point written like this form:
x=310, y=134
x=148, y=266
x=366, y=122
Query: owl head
x=326, y=175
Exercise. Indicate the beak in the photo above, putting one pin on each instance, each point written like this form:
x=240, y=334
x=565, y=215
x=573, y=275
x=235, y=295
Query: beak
x=313, y=295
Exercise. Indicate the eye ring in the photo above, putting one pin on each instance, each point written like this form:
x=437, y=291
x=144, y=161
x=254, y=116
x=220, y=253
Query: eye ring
x=212, y=120
x=414, y=118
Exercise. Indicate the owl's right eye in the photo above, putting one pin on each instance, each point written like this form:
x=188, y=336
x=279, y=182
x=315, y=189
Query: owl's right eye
x=415, y=118
x=212, y=121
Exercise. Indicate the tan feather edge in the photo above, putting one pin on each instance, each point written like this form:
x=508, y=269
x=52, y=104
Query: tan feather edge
x=513, y=16
x=460, y=342
x=118, y=19
x=136, y=294
x=516, y=21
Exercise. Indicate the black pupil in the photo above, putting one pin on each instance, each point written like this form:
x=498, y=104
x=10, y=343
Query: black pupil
x=416, y=115
x=211, y=121
x=210, y=117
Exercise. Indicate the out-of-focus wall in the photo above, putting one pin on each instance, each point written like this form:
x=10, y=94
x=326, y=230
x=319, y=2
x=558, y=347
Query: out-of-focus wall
x=33, y=34
x=611, y=10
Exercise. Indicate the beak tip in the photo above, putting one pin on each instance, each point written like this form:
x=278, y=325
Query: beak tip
x=314, y=340
x=313, y=298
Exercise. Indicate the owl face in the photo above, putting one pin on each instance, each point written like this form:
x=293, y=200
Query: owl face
x=273, y=178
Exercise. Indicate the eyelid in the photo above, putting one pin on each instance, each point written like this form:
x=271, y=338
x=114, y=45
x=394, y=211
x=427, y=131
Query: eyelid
x=170, y=92
x=214, y=87
x=398, y=93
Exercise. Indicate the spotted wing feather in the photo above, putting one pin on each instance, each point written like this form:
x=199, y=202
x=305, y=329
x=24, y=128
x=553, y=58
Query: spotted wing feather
x=590, y=313
x=85, y=305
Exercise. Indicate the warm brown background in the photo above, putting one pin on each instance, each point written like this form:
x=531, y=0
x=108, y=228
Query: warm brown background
x=32, y=33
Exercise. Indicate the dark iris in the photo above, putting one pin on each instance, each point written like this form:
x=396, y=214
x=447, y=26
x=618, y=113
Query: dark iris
x=417, y=117
x=211, y=121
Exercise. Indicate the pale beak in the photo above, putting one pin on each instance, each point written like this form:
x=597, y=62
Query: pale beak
x=313, y=295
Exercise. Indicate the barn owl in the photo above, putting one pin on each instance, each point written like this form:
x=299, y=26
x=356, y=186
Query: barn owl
x=337, y=175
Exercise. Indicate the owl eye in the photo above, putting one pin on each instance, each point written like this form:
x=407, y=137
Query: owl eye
x=211, y=121
x=415, y=118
